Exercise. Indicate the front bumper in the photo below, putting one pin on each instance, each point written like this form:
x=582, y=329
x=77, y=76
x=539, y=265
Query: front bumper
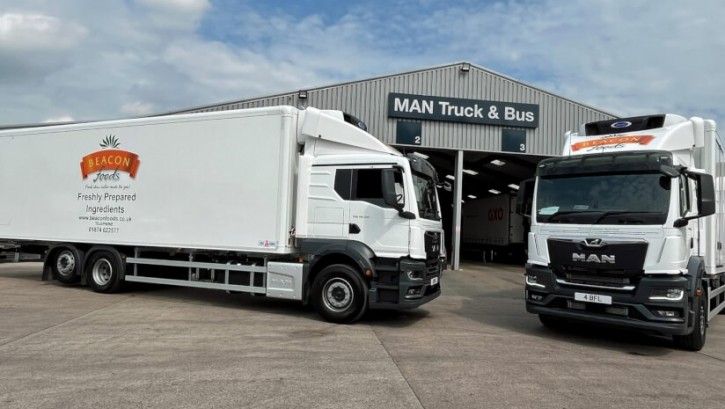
x=628, y=309
x=405, y=284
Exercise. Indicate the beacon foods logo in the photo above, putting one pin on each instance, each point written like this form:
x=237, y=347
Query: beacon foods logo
x=109, y=161
x=617, y=141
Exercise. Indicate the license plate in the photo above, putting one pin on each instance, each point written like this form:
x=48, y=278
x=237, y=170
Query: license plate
x=593, y=298
x=434, y=281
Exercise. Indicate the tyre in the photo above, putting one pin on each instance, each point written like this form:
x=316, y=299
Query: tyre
x=65, y=265
x=721, y=297
x=551, y=322
x=339, y=294
x=103, y=271
x=695, y=340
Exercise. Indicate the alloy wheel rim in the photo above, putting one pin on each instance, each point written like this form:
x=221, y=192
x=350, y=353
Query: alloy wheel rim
x=102, y=272
x=338, y=294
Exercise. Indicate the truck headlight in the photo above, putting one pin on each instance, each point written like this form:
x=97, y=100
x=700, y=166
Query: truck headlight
x=533, y=281
x=667, y=294
x=414, y=275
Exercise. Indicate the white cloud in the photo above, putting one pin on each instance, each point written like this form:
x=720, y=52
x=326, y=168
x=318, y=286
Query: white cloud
x=137, y=108
x=98, y=60
x=174, y=15
x=628, y=58
x=34, y=45
x=187, y=6
x=37, y=33
x=65, y=118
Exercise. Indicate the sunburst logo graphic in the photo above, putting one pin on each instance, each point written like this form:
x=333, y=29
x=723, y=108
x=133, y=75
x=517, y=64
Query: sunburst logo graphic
x=110, y=158
x=110, y=141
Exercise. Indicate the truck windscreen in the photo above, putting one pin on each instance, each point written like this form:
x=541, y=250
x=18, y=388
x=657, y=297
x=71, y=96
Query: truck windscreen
x=633, y=198
x=426, y=196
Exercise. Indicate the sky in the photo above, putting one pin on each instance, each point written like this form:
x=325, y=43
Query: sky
x=88, y=60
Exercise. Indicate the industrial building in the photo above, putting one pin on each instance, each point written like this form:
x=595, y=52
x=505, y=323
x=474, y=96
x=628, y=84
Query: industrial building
x=484, y=132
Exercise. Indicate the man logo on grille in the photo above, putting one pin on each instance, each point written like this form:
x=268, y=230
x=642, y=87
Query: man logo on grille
x=594, y=243
x=593, y=258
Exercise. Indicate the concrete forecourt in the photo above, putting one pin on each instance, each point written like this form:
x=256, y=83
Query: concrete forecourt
x=475, y=346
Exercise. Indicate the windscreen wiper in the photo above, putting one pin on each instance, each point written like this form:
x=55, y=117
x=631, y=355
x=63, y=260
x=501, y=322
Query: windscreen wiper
x=608, y=213
x=633, y=220
x=564, y=212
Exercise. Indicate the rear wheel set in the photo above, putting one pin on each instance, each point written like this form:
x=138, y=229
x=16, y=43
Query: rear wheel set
x=65, y=264
x=104, y=270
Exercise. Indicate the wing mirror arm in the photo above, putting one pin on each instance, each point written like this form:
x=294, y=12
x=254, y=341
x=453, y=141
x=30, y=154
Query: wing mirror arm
x=705, y=197
x=391, y=197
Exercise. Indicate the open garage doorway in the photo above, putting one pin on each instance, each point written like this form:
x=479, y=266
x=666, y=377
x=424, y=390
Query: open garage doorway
x=489, y=228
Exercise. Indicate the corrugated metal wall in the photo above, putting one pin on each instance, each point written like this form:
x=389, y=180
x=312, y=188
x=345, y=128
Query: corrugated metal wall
x=368, y=99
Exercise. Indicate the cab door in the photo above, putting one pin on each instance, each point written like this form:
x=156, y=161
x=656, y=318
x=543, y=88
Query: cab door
x=371, y=220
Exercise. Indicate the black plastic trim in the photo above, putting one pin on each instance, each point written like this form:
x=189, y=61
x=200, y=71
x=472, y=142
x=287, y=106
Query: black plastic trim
x=555, y=297
x=319, y=248
x=391, y=269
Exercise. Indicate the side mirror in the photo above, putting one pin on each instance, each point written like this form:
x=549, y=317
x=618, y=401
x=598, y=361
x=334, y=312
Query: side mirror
x=525, y=197
x=705, y=197
x=705, y=193
x=391, y=197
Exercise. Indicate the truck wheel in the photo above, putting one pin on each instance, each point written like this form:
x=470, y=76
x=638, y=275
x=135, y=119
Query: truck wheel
x=65, y=265
x=104, y=272
x=721, y=297
x=695, y=340
x=338, y=294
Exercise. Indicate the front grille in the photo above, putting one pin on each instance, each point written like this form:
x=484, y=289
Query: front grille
x=597, y=280
x=616, y=265
x=593, y=279
x=432, y=267
x=432, y=244
x=620, y=258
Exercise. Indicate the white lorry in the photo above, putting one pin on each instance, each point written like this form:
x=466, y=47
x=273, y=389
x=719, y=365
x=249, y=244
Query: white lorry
x=493, y=228
x=287, y=203
x=627, y=228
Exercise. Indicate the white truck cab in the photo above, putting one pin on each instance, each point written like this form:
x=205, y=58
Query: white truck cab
x=627, y=227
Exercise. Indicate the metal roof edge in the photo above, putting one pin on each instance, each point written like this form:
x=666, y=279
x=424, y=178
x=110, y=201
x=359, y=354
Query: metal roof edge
x=436, y=67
